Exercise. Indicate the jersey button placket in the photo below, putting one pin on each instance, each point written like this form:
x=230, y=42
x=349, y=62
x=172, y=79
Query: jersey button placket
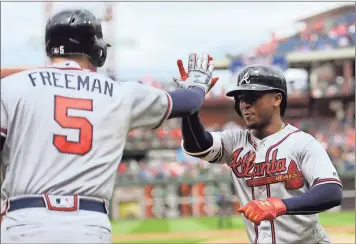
x=259, y=154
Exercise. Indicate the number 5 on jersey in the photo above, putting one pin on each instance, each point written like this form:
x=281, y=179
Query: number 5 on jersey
x=61, y=106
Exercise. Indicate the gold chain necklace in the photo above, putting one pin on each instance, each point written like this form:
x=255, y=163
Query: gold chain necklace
x=283, y=125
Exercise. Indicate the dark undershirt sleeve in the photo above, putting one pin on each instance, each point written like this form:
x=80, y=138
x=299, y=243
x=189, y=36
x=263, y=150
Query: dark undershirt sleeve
x=186, y=101
x=318, y=199
x=195, y=137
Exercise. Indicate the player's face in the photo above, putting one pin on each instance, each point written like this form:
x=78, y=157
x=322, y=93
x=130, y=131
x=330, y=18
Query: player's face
x=257, y=108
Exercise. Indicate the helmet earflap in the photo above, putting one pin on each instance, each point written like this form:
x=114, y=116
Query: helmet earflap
x=100, y=52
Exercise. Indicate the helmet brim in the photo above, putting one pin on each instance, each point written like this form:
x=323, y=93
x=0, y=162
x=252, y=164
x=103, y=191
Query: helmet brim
x=249, y=87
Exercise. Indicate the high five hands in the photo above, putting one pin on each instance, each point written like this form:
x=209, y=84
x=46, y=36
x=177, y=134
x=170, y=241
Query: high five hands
x=200, y=71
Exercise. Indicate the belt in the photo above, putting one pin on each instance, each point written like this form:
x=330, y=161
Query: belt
x=40, y=202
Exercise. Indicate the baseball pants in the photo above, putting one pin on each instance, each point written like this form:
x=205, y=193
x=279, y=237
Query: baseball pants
x=41, y=225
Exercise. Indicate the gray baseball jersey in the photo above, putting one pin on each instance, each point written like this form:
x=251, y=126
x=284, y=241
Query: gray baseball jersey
x=282, y=165
x=66, y=129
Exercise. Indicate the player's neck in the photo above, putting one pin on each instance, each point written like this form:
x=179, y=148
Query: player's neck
x=273, y=127
x=83, y=62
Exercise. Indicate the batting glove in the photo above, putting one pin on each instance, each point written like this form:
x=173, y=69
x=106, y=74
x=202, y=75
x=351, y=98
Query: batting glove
x=257, y=211
x=200, y=70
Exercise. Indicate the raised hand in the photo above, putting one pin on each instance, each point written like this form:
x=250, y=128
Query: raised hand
x=200, y=70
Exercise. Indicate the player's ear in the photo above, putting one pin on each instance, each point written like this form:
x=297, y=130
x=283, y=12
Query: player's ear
x=277, y=99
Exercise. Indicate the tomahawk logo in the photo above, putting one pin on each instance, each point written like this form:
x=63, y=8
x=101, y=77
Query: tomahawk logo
x=245, y=79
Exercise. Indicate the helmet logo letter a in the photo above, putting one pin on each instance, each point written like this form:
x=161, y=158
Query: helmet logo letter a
x=245, y=79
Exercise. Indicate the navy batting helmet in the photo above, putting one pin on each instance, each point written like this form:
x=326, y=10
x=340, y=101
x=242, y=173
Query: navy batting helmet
x=76, y=32
x=260, y=78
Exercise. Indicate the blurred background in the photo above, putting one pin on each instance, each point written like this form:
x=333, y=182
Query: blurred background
x=313, y=43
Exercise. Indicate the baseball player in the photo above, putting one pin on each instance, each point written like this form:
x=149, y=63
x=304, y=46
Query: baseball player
x=63, y=131
x=283, y=177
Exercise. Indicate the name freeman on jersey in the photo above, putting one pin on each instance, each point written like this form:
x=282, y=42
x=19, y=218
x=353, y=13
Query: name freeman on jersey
x=73, y=82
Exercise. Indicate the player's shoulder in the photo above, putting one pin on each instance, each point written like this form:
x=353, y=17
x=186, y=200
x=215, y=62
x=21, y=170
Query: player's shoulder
x=15, y=83
x=300, y=137
x=16, y=76
x=298, y=133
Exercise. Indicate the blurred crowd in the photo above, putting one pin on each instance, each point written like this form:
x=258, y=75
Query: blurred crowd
x=330, y=33
x=168, y=135
x=147, y=170
x=327, y=80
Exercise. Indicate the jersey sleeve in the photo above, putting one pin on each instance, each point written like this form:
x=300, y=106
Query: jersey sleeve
x=316, y=165
x=221, y=150
x=150, y=106
x=4, y=121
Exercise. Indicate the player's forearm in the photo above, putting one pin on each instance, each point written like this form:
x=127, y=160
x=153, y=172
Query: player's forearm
x=195, y=137
x=186, y=101
x=317, y=199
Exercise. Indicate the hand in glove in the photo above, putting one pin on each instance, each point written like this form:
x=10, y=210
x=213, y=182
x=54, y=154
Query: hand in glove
x=200, y=70
x=257, y=211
